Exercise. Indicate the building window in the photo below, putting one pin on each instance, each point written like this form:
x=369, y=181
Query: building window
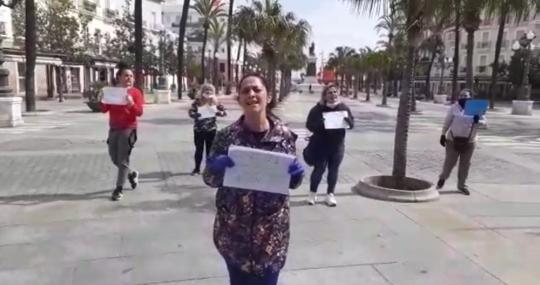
x=483, y=60
x=154, y=19
x=21, y=69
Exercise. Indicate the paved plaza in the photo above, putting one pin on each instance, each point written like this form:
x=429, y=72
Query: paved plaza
x=58, y=226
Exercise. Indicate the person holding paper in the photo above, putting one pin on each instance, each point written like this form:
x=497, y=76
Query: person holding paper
x=459, y=136
x=327, y=143
x=123, y=131
x=251, y=229
x=204, y=111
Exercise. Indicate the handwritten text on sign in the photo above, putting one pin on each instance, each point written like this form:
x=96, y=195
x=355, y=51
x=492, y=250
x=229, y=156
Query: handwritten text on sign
x=335, y=120
x=115, y=96
x=258, y=170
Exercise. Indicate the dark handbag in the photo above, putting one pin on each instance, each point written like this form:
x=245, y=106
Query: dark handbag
x=461, y=144
x=308, y=153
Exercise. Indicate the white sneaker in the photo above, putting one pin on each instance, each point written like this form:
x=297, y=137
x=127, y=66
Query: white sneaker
x=331, y=200
x=312, y=199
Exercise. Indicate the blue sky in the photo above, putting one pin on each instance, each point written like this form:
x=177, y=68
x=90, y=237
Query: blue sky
x=333, y=23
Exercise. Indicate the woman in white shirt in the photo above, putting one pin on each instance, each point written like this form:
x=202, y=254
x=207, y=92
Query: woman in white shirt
x=459, y=136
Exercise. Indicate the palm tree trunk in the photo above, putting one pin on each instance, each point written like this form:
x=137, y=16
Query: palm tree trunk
x=59, y=83
x=470, y=53
x=139, y=80
x=238, y=54
x=386, y=86
x=368, y=89
x=441, y=79
x=282, y=86
x=203, y=59
x=457, y=30
x=428, y=77
x=50, y=82
x=245, y=57
x=30, y=52
x=356, y=85
x=404, y=112
x=500, y=35
x=395, y=90
x=229, y=43
x=215, y=78
x=348, y=85
x=341, y=83
x=181, y=38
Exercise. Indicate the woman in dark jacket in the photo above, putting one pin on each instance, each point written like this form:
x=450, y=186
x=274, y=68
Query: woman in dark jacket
x=328, y=145
x=204, y=129
x=251, y=229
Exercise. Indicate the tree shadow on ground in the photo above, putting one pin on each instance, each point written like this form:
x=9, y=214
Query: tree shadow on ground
x=194, y=198
x=36, y=199
x=169, y=121
x=160, y=176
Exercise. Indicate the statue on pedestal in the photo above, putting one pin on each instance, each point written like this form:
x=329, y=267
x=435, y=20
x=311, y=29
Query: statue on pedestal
x=312, y=62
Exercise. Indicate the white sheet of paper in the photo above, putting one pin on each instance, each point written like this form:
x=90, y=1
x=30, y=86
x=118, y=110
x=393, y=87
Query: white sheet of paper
x=259, y=170
x=115, y=96
x=207, y=111
x=335, y=120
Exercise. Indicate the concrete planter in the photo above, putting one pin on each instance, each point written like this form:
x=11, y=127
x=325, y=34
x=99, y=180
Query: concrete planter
x=440, y=98
x=10, y=111
x=522, y=107
x=162, y=96
x=385, y=188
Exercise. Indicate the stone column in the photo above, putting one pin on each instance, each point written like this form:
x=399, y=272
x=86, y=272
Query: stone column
x=10, y=106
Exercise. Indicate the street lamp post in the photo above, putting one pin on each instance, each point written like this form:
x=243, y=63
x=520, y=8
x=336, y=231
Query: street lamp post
x=523, y=105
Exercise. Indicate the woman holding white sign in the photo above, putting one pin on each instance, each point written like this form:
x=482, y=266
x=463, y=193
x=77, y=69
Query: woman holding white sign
x=123, y=113
x=204, y=111
x=251, y=229
x=327, y=121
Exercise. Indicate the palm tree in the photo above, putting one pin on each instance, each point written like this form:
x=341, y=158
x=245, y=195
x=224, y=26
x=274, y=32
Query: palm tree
x=472, y=10
x=244, y=30
x=339, y=57
x=229, y=43
x=181, y=39
x=207, y=9
x=503, y=8
x=217, y=33
x=290, y=51
x=138, y=45
x=434, y=44
x=271, y=27
x=390, y=26
x=416, y=13
x=30, y=52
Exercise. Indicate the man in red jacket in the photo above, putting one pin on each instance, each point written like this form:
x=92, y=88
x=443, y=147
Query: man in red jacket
x=123, y=131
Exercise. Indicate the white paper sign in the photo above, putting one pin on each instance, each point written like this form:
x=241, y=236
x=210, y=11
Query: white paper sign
x=259, y=170
x=207, y=111
x=114, y=96
x=335, y=120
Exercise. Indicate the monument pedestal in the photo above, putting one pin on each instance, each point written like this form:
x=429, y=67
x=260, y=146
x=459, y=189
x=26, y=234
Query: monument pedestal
x=10, y=111
x=162, y=96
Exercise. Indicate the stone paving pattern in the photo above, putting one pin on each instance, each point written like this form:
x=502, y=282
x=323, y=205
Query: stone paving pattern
x=57, y=225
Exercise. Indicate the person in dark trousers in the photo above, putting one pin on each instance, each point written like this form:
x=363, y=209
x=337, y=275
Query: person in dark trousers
x=123, y=130
x=328, y=145
x=204, y=129
x=251, y=228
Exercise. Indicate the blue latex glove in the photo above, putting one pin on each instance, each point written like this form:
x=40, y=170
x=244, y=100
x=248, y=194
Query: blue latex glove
x=296, y=169
x=476, y=119
x=219, y=163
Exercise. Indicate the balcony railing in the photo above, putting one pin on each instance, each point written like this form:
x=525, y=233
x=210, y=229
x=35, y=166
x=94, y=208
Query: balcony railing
x=484, y=45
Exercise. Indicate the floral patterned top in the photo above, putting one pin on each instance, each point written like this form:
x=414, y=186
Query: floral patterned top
x=206, y=124
x=251, y=229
